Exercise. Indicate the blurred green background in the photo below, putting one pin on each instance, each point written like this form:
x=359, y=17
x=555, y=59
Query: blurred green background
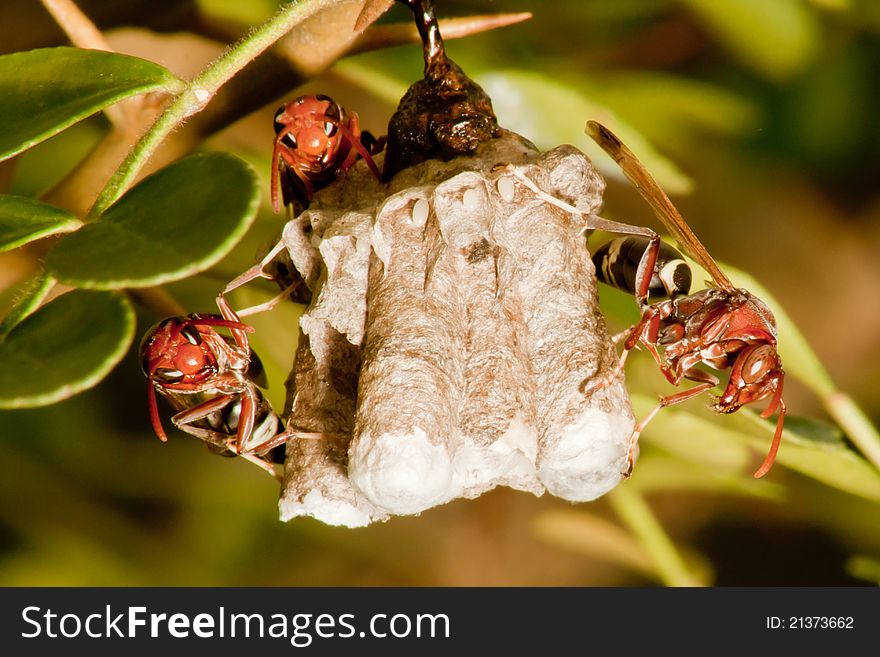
x=765, y=114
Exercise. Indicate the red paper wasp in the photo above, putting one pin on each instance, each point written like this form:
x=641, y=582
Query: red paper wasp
x=213, y=382
x=315, y=139
x=722, y=326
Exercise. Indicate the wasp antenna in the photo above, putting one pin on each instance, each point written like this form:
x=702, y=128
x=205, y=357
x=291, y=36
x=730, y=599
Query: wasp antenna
x=224, y=323
x=774, y=446
x=273, y=179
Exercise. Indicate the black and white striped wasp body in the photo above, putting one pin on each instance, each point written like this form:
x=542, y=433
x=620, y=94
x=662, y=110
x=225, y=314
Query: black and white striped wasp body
x=617, y=264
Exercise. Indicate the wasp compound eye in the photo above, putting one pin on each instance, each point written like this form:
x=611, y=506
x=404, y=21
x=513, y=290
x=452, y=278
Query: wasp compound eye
x=279, y=125
x=167, y=375
x=191, y=333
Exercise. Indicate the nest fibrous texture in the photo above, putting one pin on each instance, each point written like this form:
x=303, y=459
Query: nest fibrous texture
x=453, y=328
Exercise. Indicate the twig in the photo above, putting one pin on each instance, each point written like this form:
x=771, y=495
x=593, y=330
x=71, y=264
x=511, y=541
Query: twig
x=83, y=33
x=400, y=34
x=637, y=515
x=857, y=426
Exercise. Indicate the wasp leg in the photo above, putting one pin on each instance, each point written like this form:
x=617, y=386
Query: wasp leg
x=353, y=135
x=706, y=382
x=645, y=271
x=608, y=379
x=594, y=221
x=260, y=462
x=374, y=145
x=644, y=332
x=201, y=411
x=245, y=419
x=255, y=272
x=225, y=442
x=294, y=166
x=185, y=418
x=271, y=303
x=230, y=315
x=284, y=436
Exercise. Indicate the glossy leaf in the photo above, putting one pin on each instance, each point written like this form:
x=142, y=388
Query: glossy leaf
x=44, y=91
x=775, y=38
x=24, y=219
x=550, y=113
x=67, y=346
x=178, y=222
x=29, y=298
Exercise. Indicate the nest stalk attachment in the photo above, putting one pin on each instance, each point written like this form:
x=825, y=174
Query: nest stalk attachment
x=442, y=116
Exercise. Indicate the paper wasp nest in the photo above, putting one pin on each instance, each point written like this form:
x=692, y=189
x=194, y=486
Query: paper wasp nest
x=453, y=325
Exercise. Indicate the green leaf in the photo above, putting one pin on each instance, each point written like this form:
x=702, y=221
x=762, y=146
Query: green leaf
x=832, y=463
x=176, y=223
x=67, y=346
x=775, y=38
x=44, y=91
x=659, y=473
x=550, y=113
x=24, y=220
x=676, y=109
x=31, y=295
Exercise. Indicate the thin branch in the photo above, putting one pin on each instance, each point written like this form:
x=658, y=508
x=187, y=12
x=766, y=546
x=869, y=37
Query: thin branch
x=855, y=423
x=83, y=33
x=400, y=34
x=637, y=515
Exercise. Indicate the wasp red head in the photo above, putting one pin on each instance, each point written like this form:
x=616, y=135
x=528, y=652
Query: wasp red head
x=756, y=374
x=184, y=354
x=309, y=128
x=315, y=139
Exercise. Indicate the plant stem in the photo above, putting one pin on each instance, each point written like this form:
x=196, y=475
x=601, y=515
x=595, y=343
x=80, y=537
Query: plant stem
x=197, y=93
x=83, y=33
x=853, y=421
x=637, y=515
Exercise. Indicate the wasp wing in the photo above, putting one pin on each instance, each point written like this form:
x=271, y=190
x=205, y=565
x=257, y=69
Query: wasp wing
x=644, y=182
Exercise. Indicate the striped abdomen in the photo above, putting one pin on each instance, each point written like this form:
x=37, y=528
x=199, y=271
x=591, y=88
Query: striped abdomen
x=618, y=261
